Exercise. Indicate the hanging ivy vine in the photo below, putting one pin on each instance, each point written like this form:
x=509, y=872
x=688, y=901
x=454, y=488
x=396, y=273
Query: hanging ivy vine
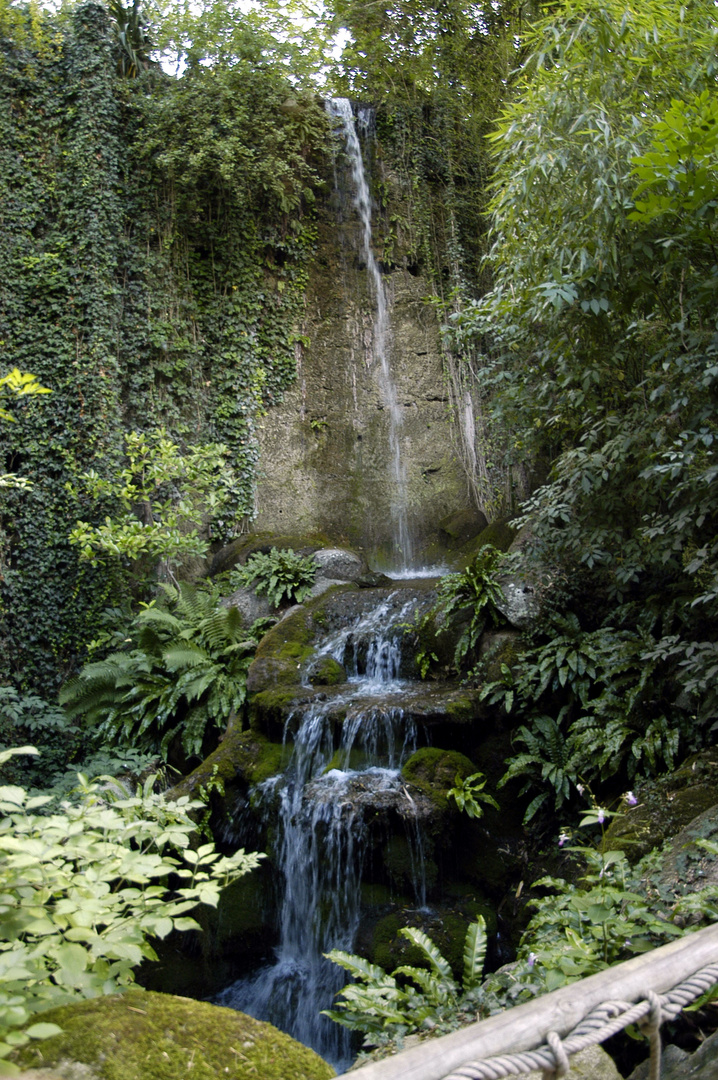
x=154, y=245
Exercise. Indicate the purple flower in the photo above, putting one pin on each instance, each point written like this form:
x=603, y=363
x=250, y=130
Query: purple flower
x=601, y=815
x=531, y=959
x=630, y=798
x=580, y=789
x=562, y=839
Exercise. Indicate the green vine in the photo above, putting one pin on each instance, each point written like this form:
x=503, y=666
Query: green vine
x=154, y=250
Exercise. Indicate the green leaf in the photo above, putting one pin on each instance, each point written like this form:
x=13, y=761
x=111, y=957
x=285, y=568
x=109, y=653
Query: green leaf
x=474, y=953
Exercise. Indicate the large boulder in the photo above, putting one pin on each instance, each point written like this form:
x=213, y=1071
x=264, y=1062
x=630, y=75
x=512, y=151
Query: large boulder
x=456, y=528
x=667, y=805
x=677, y=1064
x=591, y=1064
x=340, y=564
x=140, y=1035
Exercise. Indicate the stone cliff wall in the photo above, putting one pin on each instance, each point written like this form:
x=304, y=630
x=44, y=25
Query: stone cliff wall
x=324, y=452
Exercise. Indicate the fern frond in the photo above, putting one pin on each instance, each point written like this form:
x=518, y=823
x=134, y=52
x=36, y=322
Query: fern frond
x=360, y=968
x=429, y=949
x=474, y=953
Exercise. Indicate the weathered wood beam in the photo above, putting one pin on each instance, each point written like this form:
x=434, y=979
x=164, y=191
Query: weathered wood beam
x=526, y=1026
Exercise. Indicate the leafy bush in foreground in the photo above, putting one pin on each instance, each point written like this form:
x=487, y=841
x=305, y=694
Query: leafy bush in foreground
x=83, y=890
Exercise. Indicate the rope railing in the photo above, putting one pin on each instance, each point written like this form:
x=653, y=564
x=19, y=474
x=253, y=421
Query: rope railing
x=544, y=1033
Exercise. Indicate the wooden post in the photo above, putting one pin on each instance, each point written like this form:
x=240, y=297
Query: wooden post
x=526, y=1026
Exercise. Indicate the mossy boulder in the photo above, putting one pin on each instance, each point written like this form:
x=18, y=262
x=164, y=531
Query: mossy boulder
x=498, y=534
x=140, y=1035
x=242, y=758
x=456, y=528
x=326, y=671
x=282, y=651
x=667, y=805
x=433, y=772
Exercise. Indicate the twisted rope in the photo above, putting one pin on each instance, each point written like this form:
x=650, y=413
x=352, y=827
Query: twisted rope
x=605, y=1020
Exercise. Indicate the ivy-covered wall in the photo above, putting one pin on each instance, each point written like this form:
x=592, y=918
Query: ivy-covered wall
x=154, y=241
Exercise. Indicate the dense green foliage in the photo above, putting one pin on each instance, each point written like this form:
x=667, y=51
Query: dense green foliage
x=596, y=348
x=86, y=888
x=282, y=576
x=164, y=494
x=152, y=265
x=181, y=673
x=385, y=1007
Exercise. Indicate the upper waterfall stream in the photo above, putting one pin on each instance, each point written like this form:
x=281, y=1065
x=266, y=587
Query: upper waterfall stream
x=340, y=110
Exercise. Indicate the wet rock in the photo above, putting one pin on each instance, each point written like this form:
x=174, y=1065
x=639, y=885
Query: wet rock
x=340, y=564
x=462, y=525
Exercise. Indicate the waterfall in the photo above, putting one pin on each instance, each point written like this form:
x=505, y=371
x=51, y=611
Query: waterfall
x=321, y=814
x=341, y=111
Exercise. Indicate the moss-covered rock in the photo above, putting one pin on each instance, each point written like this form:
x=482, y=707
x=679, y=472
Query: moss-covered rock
x=326, y=671
x=462, y=525
x=433, y=772
x=147, y=1036
x=498, y=534
x=666, y=805
x=281, y=652
x=243, y=757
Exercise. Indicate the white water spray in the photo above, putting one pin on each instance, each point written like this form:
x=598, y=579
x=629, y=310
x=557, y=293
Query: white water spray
x=340, y=109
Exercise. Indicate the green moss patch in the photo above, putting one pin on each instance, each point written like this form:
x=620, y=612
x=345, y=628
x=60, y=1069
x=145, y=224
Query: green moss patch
x=141, y=1035
x=242, y=755
x=433, y=772
x=326, y=671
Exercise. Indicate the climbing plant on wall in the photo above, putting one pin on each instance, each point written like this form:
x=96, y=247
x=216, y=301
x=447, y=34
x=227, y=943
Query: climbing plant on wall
x=153, y=255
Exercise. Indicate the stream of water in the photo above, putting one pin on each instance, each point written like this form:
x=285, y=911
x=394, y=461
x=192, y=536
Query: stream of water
x=340, y=110
x=321, y=813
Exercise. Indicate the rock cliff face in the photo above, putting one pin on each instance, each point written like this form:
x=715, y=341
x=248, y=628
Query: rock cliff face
x=325, y=450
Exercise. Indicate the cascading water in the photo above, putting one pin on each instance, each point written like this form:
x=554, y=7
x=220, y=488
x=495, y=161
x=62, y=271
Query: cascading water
x=341, y=111
x=321, y=813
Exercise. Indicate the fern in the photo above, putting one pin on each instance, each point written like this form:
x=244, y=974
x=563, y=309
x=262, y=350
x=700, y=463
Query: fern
x=474, y=953
x=184, y=674
x=549, y=761
x=383, y=1008
x=283, y=576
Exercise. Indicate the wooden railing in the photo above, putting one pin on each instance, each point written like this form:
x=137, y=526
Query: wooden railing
x=527, y=1026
